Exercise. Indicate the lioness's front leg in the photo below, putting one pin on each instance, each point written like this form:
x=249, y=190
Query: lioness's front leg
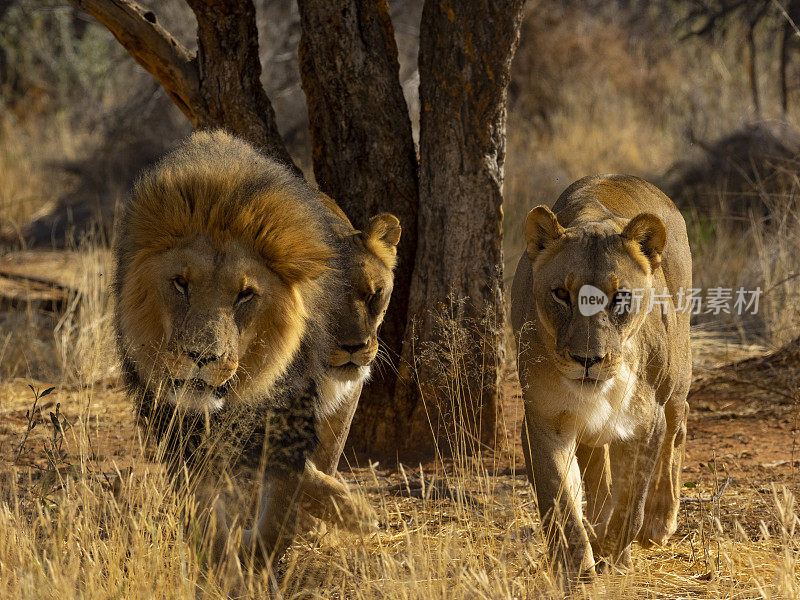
x=553, y=469
x=596, y=474
x=326, y=498
x=664, y=496
x=332, y=431
x=632, y=466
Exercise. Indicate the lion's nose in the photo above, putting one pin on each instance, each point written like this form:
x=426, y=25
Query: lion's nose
x=586, y=361
x=202, y=358
x=352, y=349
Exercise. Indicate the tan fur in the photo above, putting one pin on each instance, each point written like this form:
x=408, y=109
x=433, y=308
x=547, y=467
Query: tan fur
x=370, y=275
x=615, y=428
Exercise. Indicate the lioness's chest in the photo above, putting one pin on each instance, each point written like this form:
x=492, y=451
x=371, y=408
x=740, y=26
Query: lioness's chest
x=601, y=413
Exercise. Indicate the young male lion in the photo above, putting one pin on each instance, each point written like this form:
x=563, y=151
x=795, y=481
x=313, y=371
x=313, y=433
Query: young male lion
x=228, y=275
x=604, y=379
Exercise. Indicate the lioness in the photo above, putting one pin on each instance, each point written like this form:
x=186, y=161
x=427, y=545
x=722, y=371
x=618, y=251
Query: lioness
x=370, y=277
x=604, y=384
x=229, y=271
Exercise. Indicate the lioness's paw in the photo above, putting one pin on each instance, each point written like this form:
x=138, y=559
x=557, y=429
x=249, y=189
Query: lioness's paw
x=353, y=513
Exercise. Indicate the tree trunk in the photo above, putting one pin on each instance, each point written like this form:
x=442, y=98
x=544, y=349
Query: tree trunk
x=230, y=75
x=363, y=150
x=786, y=32
x=456, y=289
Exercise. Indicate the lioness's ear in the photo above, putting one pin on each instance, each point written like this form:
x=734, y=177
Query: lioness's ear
x=385, y=227
x=650, y=234
x=541, y=228
x=382, y=236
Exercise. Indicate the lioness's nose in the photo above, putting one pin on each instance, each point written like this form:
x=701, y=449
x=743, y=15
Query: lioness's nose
x=353, y=348
x=586, y=361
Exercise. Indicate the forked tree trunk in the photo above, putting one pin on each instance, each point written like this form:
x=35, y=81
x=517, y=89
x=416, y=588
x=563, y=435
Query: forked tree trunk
x=362, y=147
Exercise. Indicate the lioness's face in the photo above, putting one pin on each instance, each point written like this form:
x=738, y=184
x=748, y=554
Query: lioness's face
x=585, y=341
x=216, y=313
x=365, y=303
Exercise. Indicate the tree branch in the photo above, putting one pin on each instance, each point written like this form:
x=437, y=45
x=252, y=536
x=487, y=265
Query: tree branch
x=152, y=46
x=221, y=86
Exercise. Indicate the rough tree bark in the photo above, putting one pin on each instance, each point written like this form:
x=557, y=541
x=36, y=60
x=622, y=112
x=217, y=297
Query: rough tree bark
x=221, y=86
x=363, y=150
x=465, y=57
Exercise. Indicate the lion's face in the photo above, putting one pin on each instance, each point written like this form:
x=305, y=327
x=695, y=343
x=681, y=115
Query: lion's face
x=221, y=258
x=371, y=279
x=588, y=347
x=218, y=321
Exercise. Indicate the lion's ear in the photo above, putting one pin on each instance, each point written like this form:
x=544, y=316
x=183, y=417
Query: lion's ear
x=541, y=228
x=649, y=234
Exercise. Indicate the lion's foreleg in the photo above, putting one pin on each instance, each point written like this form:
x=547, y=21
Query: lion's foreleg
x=632, y=465
x=275, y=526
x=290, y=438
x=556, y=480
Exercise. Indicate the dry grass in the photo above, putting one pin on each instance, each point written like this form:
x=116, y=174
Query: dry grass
x=75, y=346
x=76, y=529
x=86, y=514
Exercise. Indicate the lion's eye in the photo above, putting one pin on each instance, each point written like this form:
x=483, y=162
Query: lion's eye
x=561, y=295
x=181, y=284
x=245, y=296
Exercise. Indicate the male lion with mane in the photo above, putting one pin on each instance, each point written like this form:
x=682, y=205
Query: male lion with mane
x=604, y=384
x=228, y=271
